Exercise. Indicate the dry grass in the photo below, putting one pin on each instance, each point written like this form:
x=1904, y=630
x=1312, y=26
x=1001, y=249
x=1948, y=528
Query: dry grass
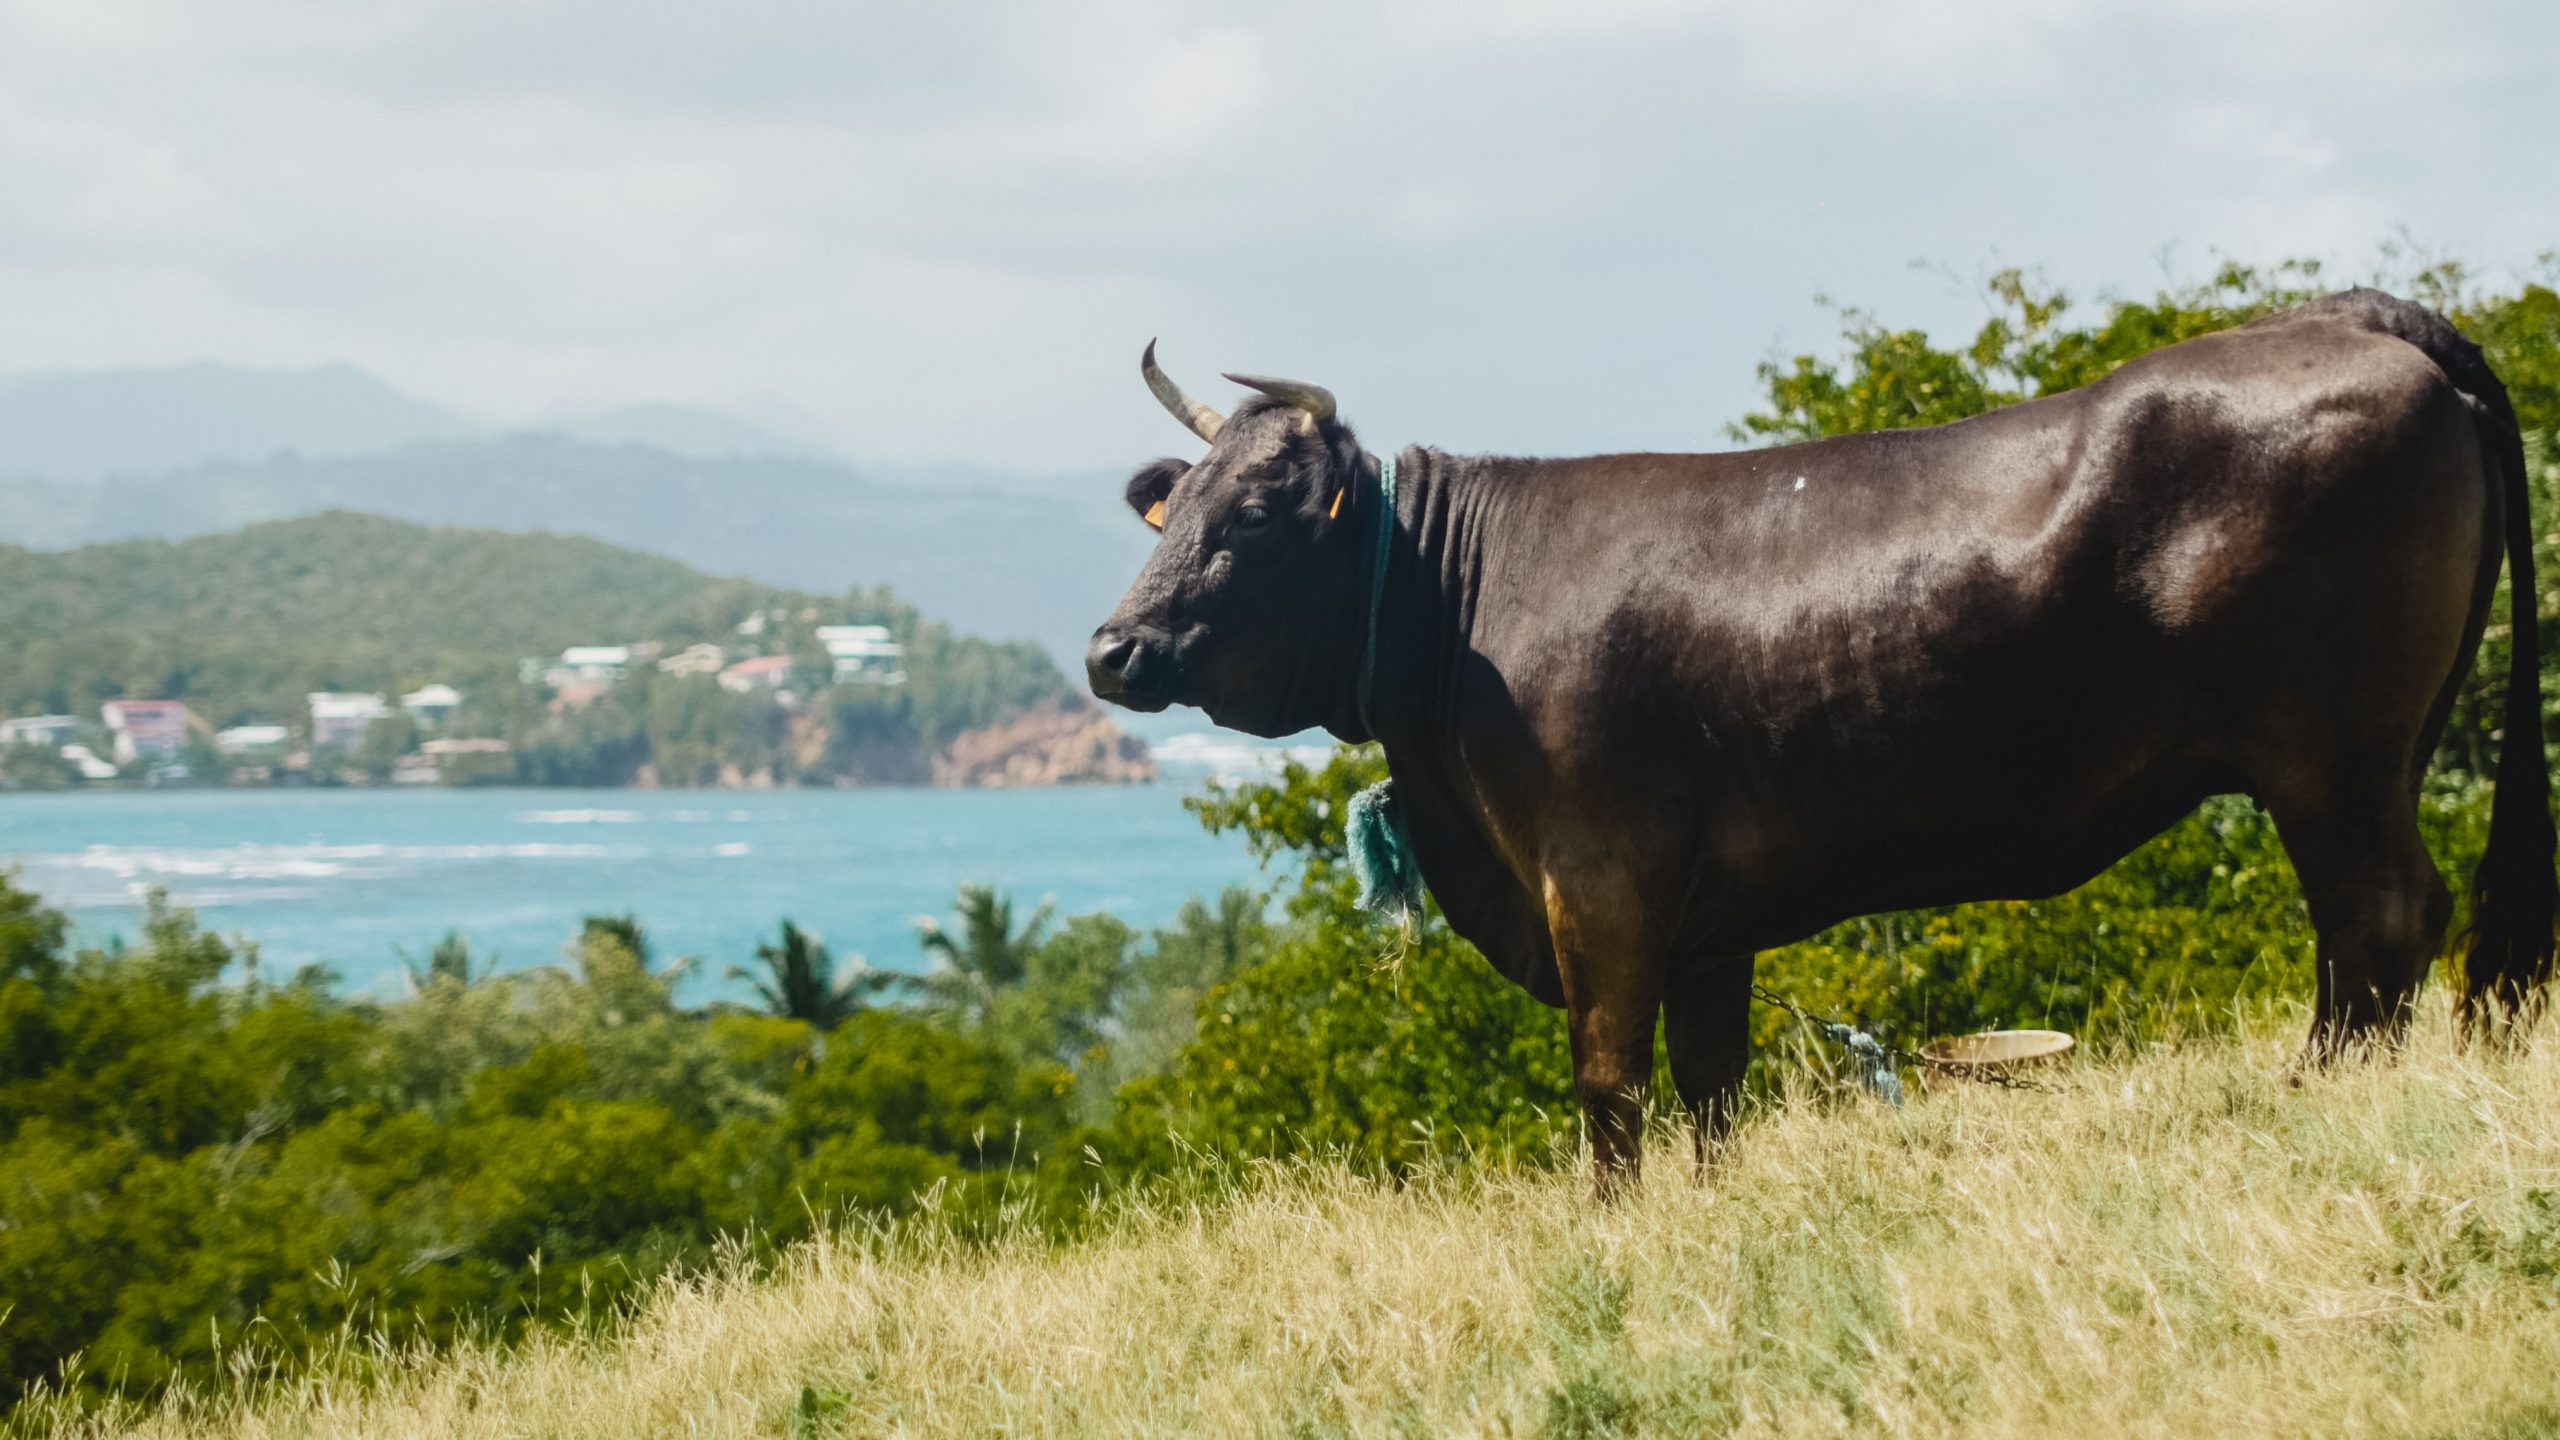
x=2177, y=1244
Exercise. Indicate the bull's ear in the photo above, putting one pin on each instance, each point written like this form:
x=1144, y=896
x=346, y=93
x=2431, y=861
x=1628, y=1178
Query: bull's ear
x=1149, y=487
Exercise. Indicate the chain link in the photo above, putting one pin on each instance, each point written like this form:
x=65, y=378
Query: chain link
x=1876, y=1074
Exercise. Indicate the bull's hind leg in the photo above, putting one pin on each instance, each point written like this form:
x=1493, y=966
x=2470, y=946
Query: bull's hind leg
x=1706, y=1032
x=2377, y=903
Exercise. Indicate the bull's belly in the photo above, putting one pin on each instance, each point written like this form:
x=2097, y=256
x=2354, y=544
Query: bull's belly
x=1961, y=853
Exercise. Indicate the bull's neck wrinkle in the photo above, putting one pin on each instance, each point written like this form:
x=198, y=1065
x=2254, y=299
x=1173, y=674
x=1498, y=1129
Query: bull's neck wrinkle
x=1419, y=596
x=1385, y=529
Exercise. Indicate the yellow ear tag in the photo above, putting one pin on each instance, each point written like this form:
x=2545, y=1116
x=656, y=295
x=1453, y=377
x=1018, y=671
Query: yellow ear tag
x=1155, y=515
x=1336, y=512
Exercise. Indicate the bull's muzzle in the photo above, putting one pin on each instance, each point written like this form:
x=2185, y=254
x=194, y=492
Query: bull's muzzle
x=1128, y=670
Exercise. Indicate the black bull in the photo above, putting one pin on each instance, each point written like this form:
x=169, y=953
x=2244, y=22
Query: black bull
x=1648, y=714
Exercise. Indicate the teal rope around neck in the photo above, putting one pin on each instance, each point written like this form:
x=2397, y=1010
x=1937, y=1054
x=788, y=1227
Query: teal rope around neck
x=1373, y=832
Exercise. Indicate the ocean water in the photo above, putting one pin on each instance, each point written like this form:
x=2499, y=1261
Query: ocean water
x=356, y=878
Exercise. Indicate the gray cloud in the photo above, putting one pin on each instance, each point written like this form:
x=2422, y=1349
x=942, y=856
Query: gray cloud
x=943, y=231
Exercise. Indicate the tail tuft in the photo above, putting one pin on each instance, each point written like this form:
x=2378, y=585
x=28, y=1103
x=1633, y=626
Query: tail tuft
x=2508, y=948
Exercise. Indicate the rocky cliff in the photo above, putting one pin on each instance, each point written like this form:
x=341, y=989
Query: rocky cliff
x=1064, y=744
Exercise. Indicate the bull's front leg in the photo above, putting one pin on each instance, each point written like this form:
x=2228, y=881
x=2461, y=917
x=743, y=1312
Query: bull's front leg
x=1612, y=969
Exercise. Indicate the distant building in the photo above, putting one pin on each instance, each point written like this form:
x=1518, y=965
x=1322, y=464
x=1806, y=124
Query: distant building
x=703, y=659
x=46, y=730
x=86, y=761
x=462, y=761
x=863, y=654
x=445, y=749
x=588, y=665
x=251, y=742
x=339, y=720
x=765, y=672
x=431, y=705
x=146, y=729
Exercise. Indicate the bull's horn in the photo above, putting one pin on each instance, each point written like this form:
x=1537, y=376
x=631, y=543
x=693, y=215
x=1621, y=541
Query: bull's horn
x=1314, y=399
x=1196, y=417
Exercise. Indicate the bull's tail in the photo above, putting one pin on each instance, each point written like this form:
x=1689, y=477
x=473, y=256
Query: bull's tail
x=2515, y=894
x=2508, y=946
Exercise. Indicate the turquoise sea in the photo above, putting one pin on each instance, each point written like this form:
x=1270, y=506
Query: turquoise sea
x=357, y=877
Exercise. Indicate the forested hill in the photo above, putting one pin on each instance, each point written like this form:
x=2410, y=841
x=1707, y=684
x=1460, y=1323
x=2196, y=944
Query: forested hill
x=242, y=625
x=362, y=581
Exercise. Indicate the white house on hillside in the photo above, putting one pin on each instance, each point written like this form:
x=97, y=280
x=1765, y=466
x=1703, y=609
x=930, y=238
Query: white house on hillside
x=46, y=730
x=340, y=719
x=703, y=659
x=863, y=654
x=431, y=705
x=251, y=741
x=588, y=665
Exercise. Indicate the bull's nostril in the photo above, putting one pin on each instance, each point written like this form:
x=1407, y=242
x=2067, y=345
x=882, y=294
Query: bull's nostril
x=1107, y=663
x=1126, y=669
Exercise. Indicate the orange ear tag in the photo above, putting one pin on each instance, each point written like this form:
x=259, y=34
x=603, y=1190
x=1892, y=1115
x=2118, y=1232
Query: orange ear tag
x=1336, y=512
x=1155, y=515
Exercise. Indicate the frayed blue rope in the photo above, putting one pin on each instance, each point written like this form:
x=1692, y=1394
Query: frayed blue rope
x=1381, y=855
x=1373, y=832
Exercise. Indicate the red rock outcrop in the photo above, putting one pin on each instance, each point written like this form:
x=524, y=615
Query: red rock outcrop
x=1065, y=744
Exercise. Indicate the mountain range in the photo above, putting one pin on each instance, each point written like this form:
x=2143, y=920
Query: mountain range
x=199, y=449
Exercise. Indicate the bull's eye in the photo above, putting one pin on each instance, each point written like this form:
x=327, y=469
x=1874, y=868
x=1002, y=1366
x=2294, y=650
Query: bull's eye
x=1252, y=517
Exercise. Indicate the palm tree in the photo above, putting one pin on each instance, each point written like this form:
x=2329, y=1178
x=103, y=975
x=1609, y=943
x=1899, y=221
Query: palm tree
x=448, y=963
x=1227, y=939
x=627, y=932
x=801, y=981
x=987, y=957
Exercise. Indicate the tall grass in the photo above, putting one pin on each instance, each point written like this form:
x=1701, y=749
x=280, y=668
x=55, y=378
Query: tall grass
x=2175, y=1243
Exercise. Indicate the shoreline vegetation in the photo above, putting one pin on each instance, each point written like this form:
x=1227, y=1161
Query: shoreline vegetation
x=1273, y=1167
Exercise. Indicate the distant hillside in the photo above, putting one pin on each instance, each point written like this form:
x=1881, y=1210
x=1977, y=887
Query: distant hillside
x=242, y=624
x=80, y=428
x=1044, y=562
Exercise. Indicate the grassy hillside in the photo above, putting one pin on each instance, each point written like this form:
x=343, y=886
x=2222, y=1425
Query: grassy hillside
x=2179, y=1244
x=242, y=624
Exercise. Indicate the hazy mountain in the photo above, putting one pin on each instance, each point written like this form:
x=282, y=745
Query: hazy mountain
x=682, y=430
x=1044, y=564
x=199, y=449
x=80, y=428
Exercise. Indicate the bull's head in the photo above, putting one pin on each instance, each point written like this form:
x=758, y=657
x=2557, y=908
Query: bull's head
x=1252, y=597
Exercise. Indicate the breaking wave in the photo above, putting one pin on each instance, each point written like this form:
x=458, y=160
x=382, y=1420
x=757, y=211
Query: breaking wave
x=1230, y=757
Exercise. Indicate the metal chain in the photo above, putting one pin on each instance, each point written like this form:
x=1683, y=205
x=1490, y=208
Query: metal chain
x=1876, y=1057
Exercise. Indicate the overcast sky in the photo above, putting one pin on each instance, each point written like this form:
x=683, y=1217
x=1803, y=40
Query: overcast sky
x=943, y=231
